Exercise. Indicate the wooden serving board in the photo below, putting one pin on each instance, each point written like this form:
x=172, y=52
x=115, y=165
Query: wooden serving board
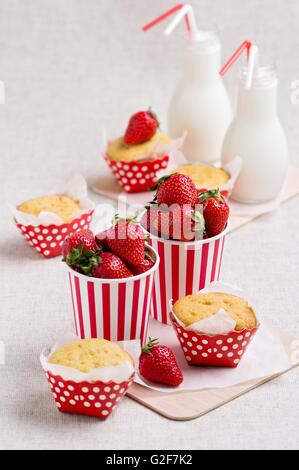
x=189, y=405
x=106, y=185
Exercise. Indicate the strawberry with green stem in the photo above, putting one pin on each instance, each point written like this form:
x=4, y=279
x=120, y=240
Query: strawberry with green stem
x=175, y=189
x=158, y=364
x=182, y=223
x=125, y=239
x=141, y=128
x=147, y=264
x=215, y=211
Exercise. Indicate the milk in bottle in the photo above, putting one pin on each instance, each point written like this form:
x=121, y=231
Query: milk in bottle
x=200, y=104
x=257, y=136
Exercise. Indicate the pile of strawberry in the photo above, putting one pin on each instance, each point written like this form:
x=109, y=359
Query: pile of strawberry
x=181, y=212
x=119, y=252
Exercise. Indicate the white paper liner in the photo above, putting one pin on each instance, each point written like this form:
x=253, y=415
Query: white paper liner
x=265, y=356
x=159, y=149
x=75, y=187
x=115, y=374
x=220, y=323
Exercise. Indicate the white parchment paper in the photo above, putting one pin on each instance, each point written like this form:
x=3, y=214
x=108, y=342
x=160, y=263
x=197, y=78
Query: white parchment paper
x=266, y=355
x=116, y=374
x=173, y=149
x=73, y=186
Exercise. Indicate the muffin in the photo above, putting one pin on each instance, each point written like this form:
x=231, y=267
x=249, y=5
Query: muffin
x=136, y=157
x=62, y=206
x=88, y=354
x=208, y=177
x=194, y=308
x=224, y=349
x=89, y=376
x=118, y=151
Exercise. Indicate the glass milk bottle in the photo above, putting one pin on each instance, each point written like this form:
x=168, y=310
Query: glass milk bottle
x=257, y=136
x=200, y=104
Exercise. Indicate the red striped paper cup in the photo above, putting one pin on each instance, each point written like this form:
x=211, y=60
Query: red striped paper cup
x=213, y=350
x=48, y=239
x=185, y=268
x=137, y=176
x=87, y=398
x=114, y=309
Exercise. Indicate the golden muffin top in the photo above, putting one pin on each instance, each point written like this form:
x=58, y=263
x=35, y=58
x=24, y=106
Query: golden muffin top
x=194, y=308
x=88, y=354
x=63, y=206
x=204, y=176
x=119, y=151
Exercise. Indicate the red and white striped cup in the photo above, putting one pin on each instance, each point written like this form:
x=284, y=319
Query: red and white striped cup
x=113, y=309
x=185, y=268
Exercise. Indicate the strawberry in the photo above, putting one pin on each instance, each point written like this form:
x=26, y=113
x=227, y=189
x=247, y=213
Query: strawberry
x=149, y=219
x=142, y=127
x=101, y=240
x=175, y=189
x=215, y=211
x=125, y=239
x=83, y=237
x=183, y=223
x=111, y=267
x=144, y=266
x=158, y=364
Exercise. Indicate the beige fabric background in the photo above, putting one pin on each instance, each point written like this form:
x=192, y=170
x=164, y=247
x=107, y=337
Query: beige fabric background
x=70, y=67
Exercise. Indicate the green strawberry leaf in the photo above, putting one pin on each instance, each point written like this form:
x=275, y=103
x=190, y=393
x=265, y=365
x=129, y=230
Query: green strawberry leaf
x=161, y=181
x=151, y=343
x=212, y=193
x=148, y=256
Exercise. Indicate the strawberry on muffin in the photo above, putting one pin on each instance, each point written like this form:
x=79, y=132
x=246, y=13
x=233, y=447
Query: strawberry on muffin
x=136, y=157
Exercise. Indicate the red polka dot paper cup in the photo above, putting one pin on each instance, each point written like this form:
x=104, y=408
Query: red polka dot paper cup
x=96, y=399
x=113, y=309
x=137, y=176
x=48, y=239
x=213, y=350
x=185, y=268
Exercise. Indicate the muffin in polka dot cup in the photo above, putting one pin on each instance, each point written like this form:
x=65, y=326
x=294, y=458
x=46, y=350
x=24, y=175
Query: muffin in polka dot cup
x=214, y=327
x=143, y=151
x=88, y=377
x=211, y=177
x=46, y=221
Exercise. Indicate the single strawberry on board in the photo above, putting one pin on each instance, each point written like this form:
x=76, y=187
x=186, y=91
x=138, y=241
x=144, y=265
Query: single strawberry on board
x=125, y=239
x=110, y=267
x=175, y=189
x=158, y=364
x=141, y=128
x=83, y=237
x=215, y=211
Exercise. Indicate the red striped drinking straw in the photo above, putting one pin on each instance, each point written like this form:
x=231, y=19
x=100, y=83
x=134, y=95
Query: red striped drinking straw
x=183, y=10
x=245, y=46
